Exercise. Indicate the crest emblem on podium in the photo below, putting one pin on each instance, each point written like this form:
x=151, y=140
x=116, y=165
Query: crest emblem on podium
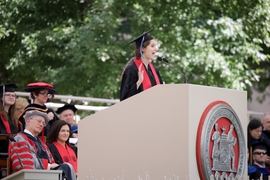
x=220, y=144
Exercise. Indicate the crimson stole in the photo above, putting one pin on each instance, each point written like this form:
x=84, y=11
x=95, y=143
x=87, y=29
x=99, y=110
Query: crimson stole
x=146, y=84
x=6, y=124
x=67, y=154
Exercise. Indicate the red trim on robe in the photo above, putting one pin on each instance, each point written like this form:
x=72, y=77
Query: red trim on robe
x=146, y=84
x=6, y=124
x=67, y=155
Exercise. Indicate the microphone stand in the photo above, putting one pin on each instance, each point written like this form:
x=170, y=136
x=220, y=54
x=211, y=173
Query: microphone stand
x=164, y=60
x=167, y=62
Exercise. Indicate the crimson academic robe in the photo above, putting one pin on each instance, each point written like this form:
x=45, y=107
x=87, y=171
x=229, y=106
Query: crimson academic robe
x=130, y=77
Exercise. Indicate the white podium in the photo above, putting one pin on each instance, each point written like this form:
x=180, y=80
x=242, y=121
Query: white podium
x=29, y=174
x=151, y=135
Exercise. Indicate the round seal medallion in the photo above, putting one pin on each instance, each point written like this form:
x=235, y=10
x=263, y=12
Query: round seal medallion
x=220, y=144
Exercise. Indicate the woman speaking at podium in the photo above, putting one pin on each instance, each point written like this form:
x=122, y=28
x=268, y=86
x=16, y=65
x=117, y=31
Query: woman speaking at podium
x=139, y=73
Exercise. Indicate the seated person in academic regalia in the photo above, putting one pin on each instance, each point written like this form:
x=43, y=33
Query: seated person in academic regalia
x=40, y=92
x=8, y=121
x=259, y=155
x=27, y=151
x=67, y=113
x=58, y=142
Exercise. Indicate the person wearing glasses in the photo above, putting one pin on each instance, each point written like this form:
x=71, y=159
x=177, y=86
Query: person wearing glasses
x=259, y=159
x=40, y=92
x=27, y=151
x=8, y=124
x=8, y=119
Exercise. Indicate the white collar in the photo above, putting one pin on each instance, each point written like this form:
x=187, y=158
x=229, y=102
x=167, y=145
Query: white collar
x=261, y=166
x=28, y=132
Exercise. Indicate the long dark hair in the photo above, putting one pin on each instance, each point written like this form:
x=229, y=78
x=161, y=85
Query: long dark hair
x=55, y=129
x=253, y=124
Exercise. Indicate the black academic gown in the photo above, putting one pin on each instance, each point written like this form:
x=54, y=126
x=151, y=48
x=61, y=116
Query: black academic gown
x=43, y=109
x=14, y=130
x=129, y=79
x=56, y=156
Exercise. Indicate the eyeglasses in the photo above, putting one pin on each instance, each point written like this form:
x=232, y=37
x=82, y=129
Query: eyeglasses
x=11, y=95
x=40, y=121
x=259, y=153
x=46, y=94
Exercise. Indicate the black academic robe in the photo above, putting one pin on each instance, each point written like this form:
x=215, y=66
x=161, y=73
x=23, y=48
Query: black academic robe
x=14, y=130
x=129, y=79
x=40, y=108
x=56, y=156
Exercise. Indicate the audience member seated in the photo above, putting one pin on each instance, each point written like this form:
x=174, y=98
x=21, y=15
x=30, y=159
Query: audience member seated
x=58, y=143
x=8, y=123
x=40, y=92
x=67, y=113
x=29, y=152
x=254, y=131
x=259, y=159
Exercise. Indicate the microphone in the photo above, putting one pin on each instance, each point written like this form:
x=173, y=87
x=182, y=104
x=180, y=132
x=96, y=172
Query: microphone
x=164, y=60
x=11, y=139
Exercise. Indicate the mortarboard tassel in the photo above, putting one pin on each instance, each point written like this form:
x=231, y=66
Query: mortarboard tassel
x=141, y=47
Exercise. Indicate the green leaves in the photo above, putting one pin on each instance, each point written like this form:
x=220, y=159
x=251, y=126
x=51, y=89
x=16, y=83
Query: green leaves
x=81, y=46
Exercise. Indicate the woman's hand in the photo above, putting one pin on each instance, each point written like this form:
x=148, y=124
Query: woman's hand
x=140, y=76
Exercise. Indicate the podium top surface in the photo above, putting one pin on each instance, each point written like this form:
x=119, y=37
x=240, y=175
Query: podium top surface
x=37, y=174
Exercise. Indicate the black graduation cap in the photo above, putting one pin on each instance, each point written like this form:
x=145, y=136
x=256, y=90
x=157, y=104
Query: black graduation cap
x=142, y=38
x=10, y=87
x=260, y=145
x=65, y=107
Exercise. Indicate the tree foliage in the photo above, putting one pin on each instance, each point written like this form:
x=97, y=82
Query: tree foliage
x=81, y=46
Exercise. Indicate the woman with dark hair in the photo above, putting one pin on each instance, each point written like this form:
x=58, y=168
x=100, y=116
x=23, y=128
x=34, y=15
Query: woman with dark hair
x=58, y=143
x=139, y=74
x=254, y=131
